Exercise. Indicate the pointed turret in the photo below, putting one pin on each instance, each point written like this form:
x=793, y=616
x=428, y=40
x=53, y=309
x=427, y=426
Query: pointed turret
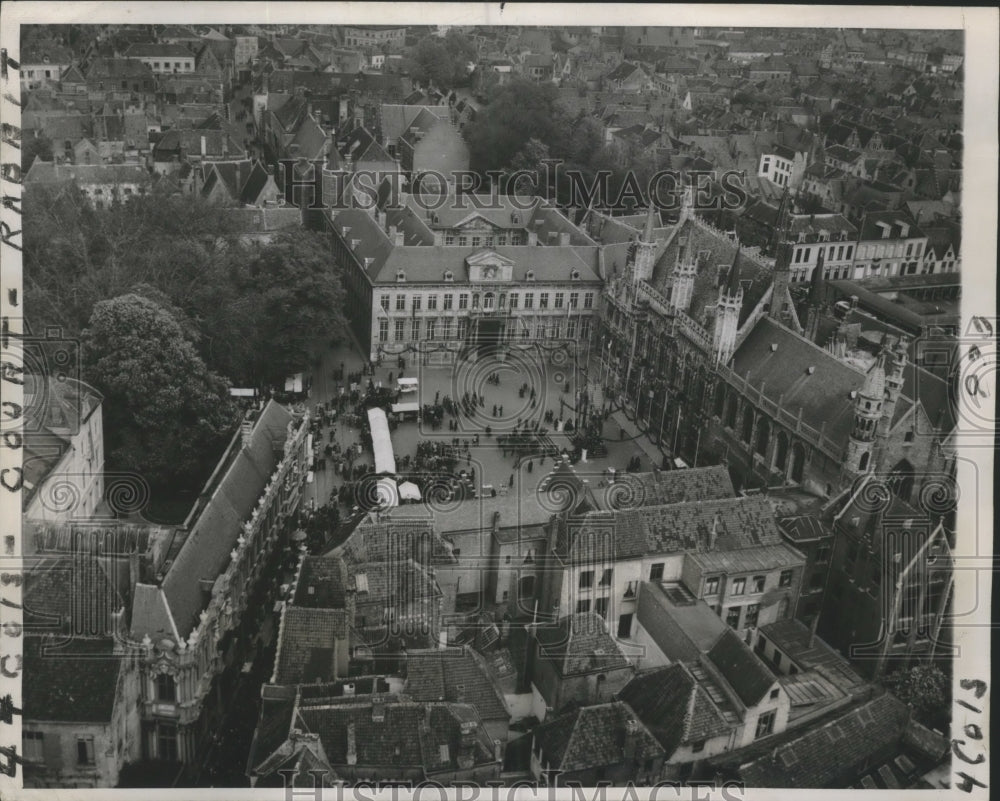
x=867, y=413
x=815, y=300
x=647, y=233
x=733, y=279
x=781, y=249
x=727, y=312
x=645, y=248
x=685, y=269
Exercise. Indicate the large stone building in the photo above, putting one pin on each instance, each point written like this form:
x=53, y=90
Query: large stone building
x=196, y=615
x=704, y=346
x=474, y=272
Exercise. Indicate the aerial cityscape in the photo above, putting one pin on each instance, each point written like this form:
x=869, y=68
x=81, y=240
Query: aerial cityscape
x=489, y=404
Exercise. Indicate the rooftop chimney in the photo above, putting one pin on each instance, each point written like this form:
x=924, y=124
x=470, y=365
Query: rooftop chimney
x=563, y=239
x=204, y=147
x=378, y=711
x=631, y=739
x=532, y=238
x=352, y=745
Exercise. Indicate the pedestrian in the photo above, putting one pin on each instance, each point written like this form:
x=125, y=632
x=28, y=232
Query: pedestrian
x=510, y=481
x=494, y=410
x=501, y=410
x=530, y=466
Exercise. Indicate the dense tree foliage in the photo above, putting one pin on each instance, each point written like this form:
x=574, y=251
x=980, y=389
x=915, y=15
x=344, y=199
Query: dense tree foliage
x=166, y=415
x=256, y=312
x=518, y=111
x=441, y=62
x=33, y=147
x=926, y=690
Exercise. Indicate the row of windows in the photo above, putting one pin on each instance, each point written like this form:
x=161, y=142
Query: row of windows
x=835, y=253
x=34, y=748
x=891, y=250
x=444, y=328
x=488, y=300
x=484, y=240
x=176, y=65
x=739, y=585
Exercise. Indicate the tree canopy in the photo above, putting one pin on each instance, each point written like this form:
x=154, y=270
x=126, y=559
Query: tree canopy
x=166, y=415
x=441, y=62
x=255, y=311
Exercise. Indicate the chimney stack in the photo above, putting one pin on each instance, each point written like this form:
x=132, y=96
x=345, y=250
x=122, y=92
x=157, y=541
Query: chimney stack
x=631, y=739
x=204, y=147
x=532, y=238
x=352, y=745
x=563, y=239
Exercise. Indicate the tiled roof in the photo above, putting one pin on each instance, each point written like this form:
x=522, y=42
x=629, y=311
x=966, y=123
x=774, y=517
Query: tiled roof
x=829, y=755
x=580, y=643
x=823, y=396
x=55, y=586
x=746, y=674
x=896, y=220
x=45, y=172
x=670, y=486
x=396, y=119
x=113, y=68
x=215, y=530
x=150, y=50
x=411, y=734
x=803, y=528
x=426, y=263
x=70, y=681
x=721, y=252
x=322, y=583
x=745, y=560
x=307, y=644
x=457, y=675
x=675, y=708
x=593, y=736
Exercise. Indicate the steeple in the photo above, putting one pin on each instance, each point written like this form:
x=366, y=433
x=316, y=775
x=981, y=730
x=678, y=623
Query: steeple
x=781, y=249
x=815, y=301
x=647, y=233
x=896, y=359
x=685, y=269
x=727, y=313
x=645, y=248
x=733, y=279
x=867, y=414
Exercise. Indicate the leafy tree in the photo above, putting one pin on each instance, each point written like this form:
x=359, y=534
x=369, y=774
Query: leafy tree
x=518, y=111
x=296, y=298
x=166, y=415
x=430, y=62
x=925, y=689
x=33, y=147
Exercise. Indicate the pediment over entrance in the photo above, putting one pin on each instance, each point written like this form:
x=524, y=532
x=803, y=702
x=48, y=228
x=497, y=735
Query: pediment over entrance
x=488, y=265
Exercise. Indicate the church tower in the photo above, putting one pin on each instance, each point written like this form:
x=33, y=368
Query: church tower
x=867, y=414
x=815, y=303
x=781, y=249
x=685, y=269
x=727, y=313
x=645, y=248
x=896, y=365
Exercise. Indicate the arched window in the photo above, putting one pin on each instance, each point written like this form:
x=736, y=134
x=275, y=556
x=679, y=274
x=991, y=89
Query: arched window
x=488, y=301
x=902, y=478
x=731, y=410
x=526, y=587
x=763, y=436
x=781, y=451
x=863, y=461
x=747, y=424
x=720, y=400
x=798, y=461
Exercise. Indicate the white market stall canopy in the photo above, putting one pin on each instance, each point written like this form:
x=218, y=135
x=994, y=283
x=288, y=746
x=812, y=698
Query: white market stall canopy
x=407, y=384
x=385, y=460
x=293, y=383
x=405, y=408
x=408, y=491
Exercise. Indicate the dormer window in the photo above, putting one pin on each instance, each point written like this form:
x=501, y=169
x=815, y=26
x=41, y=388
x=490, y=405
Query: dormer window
x=400, y=276
x=575, y=275
x=449, y=275
x=530, y=275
